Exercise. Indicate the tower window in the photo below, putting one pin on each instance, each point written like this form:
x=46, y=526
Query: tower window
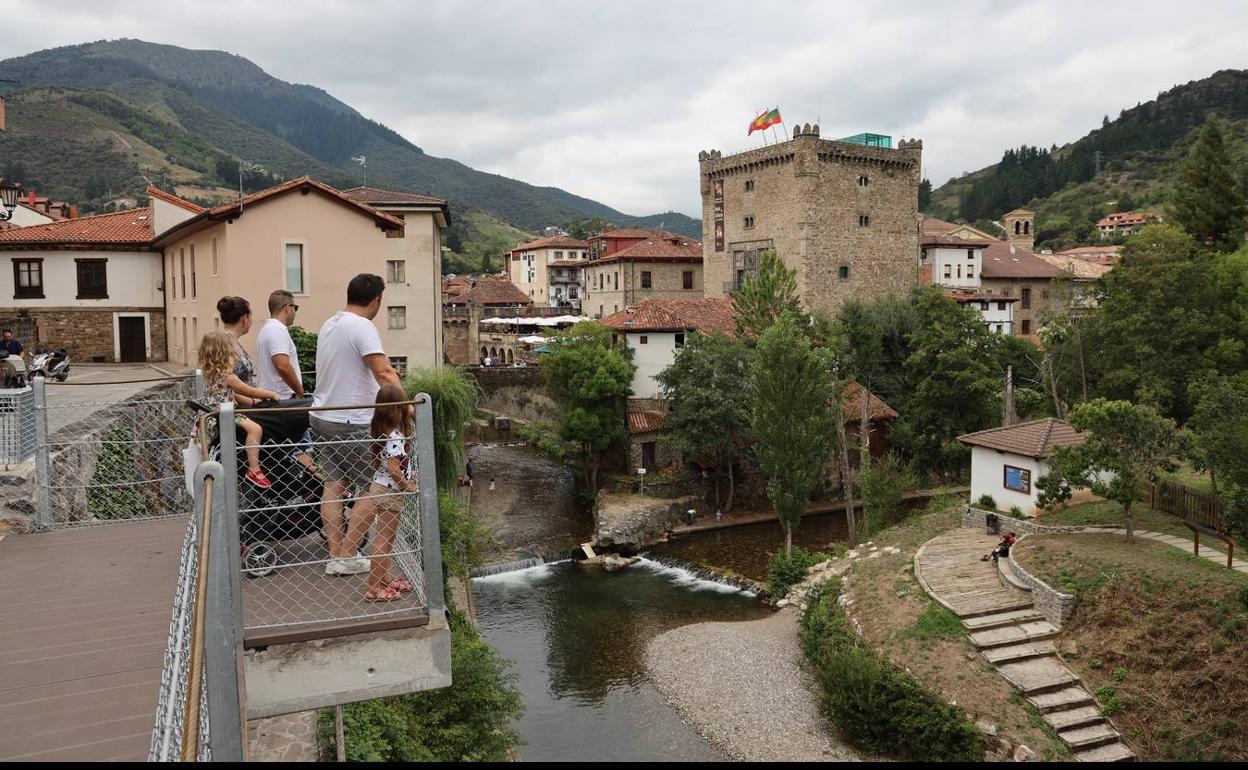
x=970, y=253
x=749, y=185
x=842, y=272
x=864, y=180
x=863, y=220
x=749, y=222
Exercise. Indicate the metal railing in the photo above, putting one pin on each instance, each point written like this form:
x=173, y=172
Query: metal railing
x=333, y=541
x=199, y=711
x=101, y=460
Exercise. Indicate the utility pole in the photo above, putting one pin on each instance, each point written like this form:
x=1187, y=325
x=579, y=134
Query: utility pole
x=245, y=167
x=1007, y=398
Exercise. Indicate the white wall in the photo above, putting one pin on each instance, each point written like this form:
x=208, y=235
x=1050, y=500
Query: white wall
x=165, y=215
x=959, y=274
x=650, y=359
x=133, y=279
x=25, y=217
x=988, y=478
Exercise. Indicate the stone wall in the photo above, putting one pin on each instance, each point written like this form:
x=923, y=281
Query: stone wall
x=666, y=282
x=634, y=521
x=805, y=198
x=1055, y=605
x=975, y=517
x=88, y=334
x=518, y=392
x=459, y=341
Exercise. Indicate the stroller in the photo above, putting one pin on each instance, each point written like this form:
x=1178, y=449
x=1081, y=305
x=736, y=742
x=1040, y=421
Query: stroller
x=287, y=510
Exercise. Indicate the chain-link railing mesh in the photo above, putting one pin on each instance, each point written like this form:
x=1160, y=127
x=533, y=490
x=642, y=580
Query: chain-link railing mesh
x=114, y=460
x=17, y=426
x=327, y=483
x=167, y=735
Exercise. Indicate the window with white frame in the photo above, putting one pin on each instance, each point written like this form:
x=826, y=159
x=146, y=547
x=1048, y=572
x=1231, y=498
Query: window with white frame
x=295, y=268
x=396, y=271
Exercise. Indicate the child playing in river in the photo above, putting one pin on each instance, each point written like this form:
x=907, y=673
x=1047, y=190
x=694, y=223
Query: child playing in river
x=217, y=360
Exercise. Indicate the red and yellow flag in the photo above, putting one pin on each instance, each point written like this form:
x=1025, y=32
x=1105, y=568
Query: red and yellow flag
x=769, y=118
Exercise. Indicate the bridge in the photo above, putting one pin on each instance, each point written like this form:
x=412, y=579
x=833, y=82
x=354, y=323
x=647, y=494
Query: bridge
x=160, y=601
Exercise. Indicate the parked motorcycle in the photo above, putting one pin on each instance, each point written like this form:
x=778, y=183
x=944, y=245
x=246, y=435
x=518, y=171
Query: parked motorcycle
x=50, y=365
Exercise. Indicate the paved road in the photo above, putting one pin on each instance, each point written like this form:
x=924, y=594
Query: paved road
x=91, y=387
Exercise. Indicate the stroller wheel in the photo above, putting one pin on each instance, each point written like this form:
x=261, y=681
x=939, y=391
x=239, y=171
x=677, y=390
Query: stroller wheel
x=259, y=560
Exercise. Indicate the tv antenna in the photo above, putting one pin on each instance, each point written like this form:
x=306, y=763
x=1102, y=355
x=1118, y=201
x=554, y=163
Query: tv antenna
x=246, y=167
x=362, y=160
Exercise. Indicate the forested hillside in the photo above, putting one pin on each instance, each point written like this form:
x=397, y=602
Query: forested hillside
x=196, y=112
x=1139, y=156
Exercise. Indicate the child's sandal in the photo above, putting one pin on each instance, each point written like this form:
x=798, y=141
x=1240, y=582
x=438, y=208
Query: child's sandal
x=383, y=595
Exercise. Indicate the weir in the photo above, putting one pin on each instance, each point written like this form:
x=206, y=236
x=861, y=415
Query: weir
x=533, y=561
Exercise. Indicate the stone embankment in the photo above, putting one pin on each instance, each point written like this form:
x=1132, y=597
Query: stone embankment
x=634, y=521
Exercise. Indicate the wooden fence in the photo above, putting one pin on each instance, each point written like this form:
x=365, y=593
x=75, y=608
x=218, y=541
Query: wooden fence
x=1192, y=504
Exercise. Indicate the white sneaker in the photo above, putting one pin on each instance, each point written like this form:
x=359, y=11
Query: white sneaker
x=353, y=566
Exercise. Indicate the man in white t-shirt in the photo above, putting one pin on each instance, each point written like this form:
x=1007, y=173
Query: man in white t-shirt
x=277, y=361
x=351, y=366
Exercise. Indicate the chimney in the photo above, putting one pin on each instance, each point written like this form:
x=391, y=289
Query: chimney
x=30, y=198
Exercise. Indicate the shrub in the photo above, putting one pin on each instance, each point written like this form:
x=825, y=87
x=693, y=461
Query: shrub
x=1110, y=702
x=466, y=722
x=883, y=488
x=877, y=706
x=305, y=349
x=783, y=572
x=1016, y=512
x=453, y=394
x=987, y=501
x=114, y=491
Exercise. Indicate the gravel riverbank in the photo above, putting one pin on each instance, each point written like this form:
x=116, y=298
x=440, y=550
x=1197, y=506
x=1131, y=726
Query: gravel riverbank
x=741, y=686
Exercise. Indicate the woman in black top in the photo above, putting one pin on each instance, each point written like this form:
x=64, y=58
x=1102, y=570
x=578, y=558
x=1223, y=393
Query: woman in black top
x=235, y=315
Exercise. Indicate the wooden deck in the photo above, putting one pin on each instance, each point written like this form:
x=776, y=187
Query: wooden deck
x=85, y=616
x=949, y=566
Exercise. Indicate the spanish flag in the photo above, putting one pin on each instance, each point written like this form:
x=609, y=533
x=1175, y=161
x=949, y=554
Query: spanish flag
x=769, y=118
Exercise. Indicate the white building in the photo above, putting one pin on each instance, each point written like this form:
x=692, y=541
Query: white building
x=1007, y=462
x=955, y=262
x=656, y=328
x=550, y=270
x=413, y=306
x=997, y=312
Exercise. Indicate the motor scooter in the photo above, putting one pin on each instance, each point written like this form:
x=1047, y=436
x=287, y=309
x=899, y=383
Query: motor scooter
x=50, y=365
x=12, y=371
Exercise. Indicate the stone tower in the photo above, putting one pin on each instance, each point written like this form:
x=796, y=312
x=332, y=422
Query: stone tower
x=840, y=213
x=1020, y=228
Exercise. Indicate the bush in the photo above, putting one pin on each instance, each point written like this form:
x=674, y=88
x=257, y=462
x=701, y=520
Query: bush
x=783, y=572
x=466, y=722
x=453, y=394
x=877, y=706
x=1016, y=512
x=305, y=349
x=987, y=501
x=883, y=488
x=114, y=491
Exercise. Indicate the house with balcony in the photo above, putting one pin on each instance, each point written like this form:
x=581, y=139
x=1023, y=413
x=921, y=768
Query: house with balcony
x=1124, y=223
x=550, y=270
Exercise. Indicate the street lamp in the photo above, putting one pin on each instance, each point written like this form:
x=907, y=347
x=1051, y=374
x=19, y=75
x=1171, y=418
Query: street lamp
x=8, y=199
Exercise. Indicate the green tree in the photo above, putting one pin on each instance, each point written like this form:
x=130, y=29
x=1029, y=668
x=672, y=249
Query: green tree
x=708, y=389
x=952, y=382
x=1126, y=445
x=790, y=417
x=884, y=486
x=1209, y=202
x=590, y=378
x=1220, y=429
x=765, y=295
x=875, y=340
x=1154, y=320
x=454, y=393
x=584, y=229
x=925, y=194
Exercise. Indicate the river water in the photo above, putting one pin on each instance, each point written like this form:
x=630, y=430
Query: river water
x=577, y=637
x=744, y=550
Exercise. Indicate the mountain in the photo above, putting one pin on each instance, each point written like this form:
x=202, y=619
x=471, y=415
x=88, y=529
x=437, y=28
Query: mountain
x=1140, y=155
x=194, y=114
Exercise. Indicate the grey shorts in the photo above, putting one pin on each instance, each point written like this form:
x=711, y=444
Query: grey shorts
x=341, y=451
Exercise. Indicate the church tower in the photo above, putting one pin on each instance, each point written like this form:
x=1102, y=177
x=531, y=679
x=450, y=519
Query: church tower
x=1019, y=228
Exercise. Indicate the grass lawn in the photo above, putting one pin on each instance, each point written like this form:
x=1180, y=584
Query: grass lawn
x=918, y=634
x=1193, y=478
x=1159, y=636
x=1109, y=513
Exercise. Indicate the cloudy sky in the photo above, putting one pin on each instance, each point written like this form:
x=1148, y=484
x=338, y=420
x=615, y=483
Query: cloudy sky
x=613, y=100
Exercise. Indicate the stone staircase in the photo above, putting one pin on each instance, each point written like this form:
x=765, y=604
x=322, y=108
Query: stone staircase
x=1004, y=625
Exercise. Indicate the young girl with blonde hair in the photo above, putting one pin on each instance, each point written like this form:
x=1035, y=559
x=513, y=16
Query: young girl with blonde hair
x=217, y=360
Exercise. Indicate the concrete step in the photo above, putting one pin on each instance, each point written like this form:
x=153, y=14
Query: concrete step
x=1110, y=752
x=1090, y=736
x=1037, y=675
x=985, y=622
x=1005, y=570
x=1076, y=717
x=997, y=607
x=1031, y=631
x=1022, y=651
x=1059, y=700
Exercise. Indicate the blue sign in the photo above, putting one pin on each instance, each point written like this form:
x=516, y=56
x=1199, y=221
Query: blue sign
x=1018, y=479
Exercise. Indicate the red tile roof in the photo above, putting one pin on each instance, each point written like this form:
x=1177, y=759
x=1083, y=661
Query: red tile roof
x=1003, y=260
x=1120, y=218
x=553, y=242
x=675, y=249
x=131, y=227
x=637, y=233
x=568, y=263
x=1037, y=438
x=1080, y=269
x=970, y=295
x=303, y=183
x=851, y=407
x=952, y=242
x=159, y=194
x=644, y=422
x=931, y=226
x=491, y=291
x=707, y=315
x=374, y=196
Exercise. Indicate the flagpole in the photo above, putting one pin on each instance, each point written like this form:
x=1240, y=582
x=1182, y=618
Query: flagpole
x=782, y=126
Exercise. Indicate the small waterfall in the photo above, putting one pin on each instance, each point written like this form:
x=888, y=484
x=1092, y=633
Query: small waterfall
x=533, y=561
x=695, y=573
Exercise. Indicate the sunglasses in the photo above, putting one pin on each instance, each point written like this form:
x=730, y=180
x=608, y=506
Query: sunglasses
x=293, y=305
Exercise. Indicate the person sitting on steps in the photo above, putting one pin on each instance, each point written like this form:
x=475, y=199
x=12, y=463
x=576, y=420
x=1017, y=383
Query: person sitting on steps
x=1002, y=549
